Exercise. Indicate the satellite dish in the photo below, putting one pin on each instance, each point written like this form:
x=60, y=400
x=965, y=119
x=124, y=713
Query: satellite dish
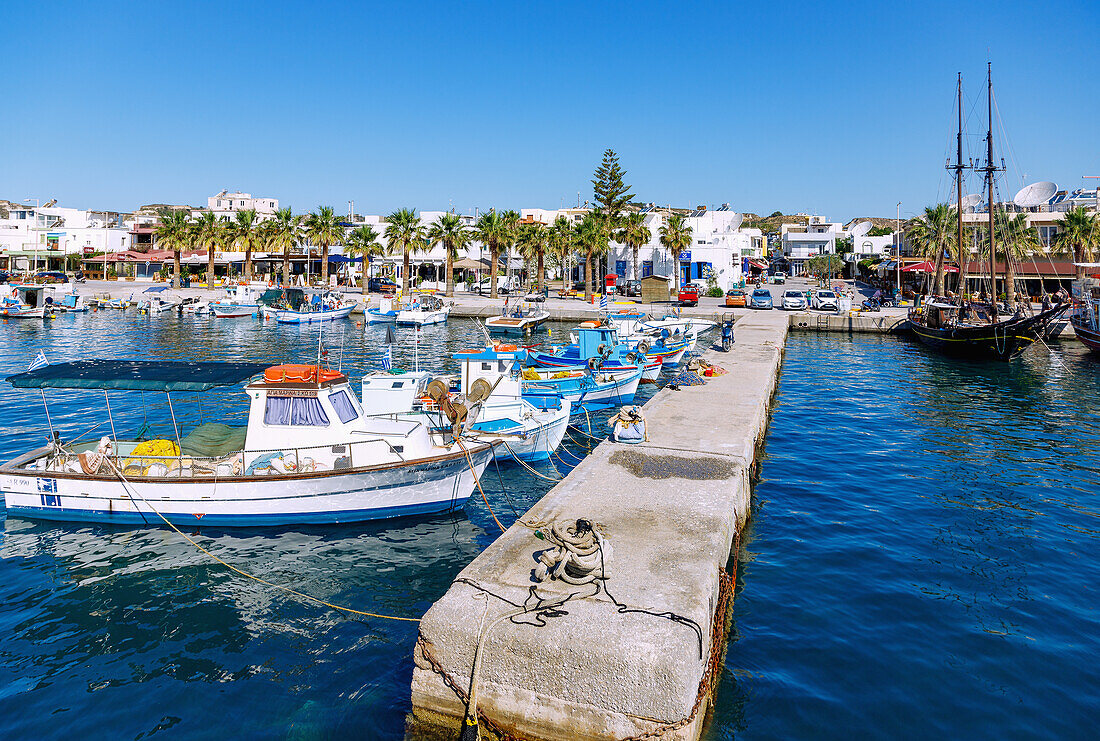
x=861, y=229
x=971, y=200
x=1035, y=194
x=737, y=221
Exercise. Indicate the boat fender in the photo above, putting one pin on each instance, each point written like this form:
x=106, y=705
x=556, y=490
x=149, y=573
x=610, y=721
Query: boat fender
x=643, y=346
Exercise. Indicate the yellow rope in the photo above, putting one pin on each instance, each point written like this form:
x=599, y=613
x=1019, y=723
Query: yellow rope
x=246, y=574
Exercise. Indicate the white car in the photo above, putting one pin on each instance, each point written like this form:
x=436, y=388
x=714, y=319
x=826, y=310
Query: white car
x=826, y=300
x=794, y=300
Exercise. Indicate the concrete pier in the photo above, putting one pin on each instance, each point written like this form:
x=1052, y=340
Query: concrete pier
x=671, y=509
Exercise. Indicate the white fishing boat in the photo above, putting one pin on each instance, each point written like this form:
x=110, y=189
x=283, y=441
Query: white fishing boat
x=72, y=303
x=116, y=303
x=22, y=302
x=293, y=307
x=239, y=301
x=308, y=454
x=156, y=302
x=423, y=310
x=385, y=313
x=194, y=305
x=520, y=319
x=487, y=400
x=634, y=327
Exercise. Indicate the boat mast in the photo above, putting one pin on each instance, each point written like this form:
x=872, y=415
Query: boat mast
x=990, y=168
x=959, y=180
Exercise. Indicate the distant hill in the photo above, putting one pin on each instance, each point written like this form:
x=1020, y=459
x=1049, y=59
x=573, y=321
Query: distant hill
x=769, y=224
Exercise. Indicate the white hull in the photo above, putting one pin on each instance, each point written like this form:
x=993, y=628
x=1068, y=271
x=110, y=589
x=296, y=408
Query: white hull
x=535, y=441
x=438, y=484
x=374, y=316
x=233, y=311
x=421, y=318
x=21, y=313
x=287, y=316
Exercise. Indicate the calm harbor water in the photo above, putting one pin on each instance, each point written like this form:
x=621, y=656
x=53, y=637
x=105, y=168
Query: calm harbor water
x=921, y=561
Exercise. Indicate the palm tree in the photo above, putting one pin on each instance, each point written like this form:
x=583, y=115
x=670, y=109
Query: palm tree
x=174, y=233
x=634, y=233
x=1080, y=233
x=286, y=230
x=324, y=229
x=363, y=241
x=454, y=237
x=591, y=236
x=559, y=239
x=933, y=234
x=210, y=233
x=404, y=234
x=1020, y=241
x=243, y=234
x=493, y=232
x=532, y=240
x=511, y=234
x=675, y=236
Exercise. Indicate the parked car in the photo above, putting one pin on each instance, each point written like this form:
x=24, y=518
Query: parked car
x=826, y=300
x=779, y=277
x=735, y=297
x=50, y=276
x=689, y=295
x=794, y=300
x=631, y=288
x=761, y=298
x=381, y=285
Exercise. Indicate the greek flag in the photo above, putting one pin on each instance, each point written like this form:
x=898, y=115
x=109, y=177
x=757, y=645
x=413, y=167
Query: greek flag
x=39, y=361
x=387, y=359
x=603, y=301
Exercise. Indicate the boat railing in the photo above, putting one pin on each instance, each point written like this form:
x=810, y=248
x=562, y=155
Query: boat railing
x=273, y=462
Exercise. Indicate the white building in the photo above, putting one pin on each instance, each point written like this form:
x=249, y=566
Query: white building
x=225, y=205
x=719, y=246
x=800, y=242
x=40, y=237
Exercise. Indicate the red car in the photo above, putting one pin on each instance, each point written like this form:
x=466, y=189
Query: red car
x=689, y=295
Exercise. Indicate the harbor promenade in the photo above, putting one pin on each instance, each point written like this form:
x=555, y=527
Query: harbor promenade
x=639, y=654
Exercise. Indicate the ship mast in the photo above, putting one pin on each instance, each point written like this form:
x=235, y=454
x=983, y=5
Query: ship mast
x=959, y=182
x=990, y=168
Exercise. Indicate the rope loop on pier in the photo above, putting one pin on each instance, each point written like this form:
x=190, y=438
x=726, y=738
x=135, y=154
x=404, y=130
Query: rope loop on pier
x=578, y=555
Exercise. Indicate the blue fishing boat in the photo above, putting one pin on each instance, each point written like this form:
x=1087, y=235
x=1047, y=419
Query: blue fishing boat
x=583, y=387
x=598, y=346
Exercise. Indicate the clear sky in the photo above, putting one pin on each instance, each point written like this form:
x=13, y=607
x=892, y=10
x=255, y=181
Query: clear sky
x=842, y=109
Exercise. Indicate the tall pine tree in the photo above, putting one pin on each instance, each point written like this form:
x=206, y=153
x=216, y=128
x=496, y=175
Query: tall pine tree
x=612, y=194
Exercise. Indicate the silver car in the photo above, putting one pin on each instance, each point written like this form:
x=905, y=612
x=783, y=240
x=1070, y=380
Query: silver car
x=794, y=301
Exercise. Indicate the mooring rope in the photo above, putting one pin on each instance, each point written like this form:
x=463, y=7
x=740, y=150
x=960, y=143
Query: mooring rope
x=289, y=590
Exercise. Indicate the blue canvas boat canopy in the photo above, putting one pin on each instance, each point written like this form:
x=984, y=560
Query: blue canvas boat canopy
x=136, y=375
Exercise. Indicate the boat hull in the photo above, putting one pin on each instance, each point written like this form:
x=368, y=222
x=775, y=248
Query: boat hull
x=531, y=442
x=1089, y=337
x=421, y=319
x=1001, y=341
x=589, y=393
x=374, y=316
x=419, y=487
x=514, y=326
x=307, y=317
x=233, y=311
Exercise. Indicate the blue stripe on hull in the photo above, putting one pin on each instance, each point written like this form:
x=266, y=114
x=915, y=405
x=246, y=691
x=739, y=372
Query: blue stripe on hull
x=254, y=520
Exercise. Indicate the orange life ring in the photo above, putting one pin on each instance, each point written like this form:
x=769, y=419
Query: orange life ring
x=590, y=324
x=505, y=348
x=300, y=374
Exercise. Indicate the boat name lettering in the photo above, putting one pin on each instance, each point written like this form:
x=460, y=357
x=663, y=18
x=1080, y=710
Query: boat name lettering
x=292, y=392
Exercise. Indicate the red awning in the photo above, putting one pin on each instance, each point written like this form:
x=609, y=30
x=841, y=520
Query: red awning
x=927, y=267
x=758, y=264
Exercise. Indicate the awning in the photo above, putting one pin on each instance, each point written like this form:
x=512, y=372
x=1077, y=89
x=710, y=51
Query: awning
x=136, y=375
x=758, y=264
x=468, y=264
x=927, y=267
x=342, y=258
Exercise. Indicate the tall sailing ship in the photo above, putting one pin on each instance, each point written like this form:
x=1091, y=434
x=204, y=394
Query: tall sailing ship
x=970, y=327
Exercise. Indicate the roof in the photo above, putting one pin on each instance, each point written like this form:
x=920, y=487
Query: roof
x=136, y=375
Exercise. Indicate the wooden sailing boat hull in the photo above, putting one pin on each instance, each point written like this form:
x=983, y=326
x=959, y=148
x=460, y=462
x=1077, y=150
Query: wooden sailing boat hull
x=1000, y=341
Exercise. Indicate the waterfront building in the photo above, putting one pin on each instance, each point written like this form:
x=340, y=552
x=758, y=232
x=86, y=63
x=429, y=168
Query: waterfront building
x=44, y=237
x=800, y=242
x=225, y=205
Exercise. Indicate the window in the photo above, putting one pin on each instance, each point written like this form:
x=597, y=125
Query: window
x=219, y=203
x=620, y=268
x=295, y=411
x=345, y=410
x=647, y=268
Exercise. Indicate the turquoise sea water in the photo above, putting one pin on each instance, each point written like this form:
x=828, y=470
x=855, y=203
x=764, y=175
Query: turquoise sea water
x=921, y=559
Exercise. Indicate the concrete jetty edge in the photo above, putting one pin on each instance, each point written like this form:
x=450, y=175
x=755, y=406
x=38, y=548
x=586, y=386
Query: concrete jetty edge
x=671, y=509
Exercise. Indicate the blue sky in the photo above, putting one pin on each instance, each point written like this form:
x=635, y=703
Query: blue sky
x=842, y=109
